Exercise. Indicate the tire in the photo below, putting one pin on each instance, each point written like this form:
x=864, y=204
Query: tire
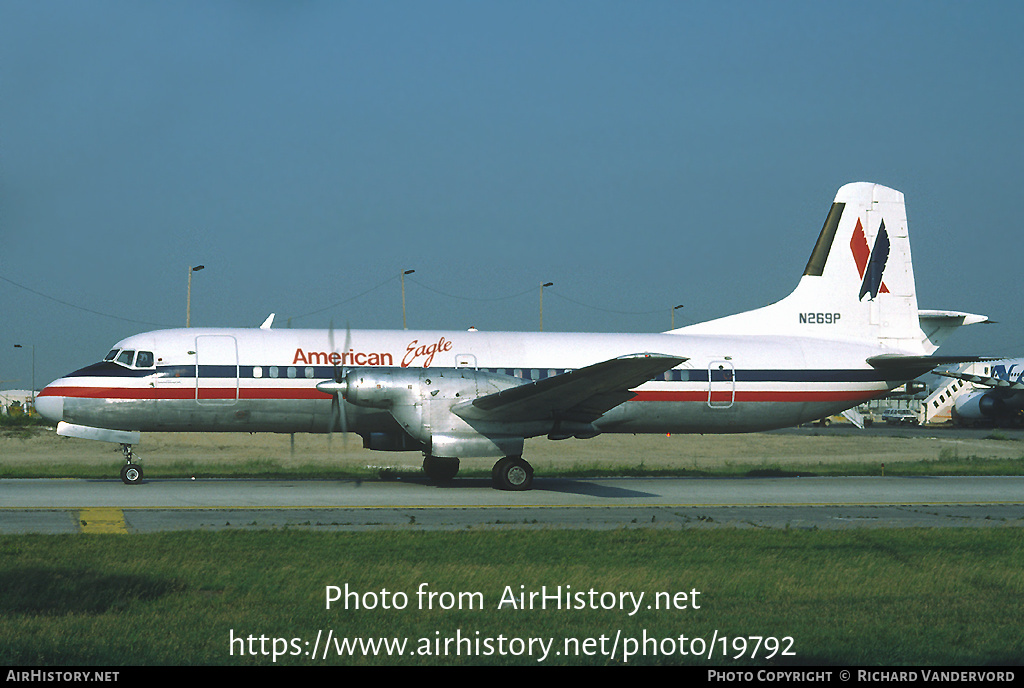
x=440, y=469
x=513, y=474
x=131, y=474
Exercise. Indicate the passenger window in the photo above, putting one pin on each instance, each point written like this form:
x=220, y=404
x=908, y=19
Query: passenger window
x=257, y=371
x=144, y=359
x=273, y=371
x=126, y=357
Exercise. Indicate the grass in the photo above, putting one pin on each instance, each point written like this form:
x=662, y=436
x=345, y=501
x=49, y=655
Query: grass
x=935, y=596
x=21, y=425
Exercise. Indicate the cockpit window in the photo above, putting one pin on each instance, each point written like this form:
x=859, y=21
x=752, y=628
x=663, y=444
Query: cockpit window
x=127, y=358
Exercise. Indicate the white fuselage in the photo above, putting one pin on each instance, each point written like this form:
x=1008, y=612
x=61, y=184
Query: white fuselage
x=263, y=380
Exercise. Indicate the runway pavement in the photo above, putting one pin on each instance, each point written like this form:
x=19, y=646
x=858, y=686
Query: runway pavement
x=86, y=506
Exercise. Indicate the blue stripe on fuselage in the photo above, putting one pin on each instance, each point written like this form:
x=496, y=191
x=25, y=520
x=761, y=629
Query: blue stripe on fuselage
x=109, y=369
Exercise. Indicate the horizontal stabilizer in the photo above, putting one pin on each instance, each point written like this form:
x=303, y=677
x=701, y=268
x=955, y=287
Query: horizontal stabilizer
x=937, y=326
x=581, y=395
x=959, y=318
x=901, y=367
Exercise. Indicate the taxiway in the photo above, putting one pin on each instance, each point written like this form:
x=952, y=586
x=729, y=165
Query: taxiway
x=71, y=506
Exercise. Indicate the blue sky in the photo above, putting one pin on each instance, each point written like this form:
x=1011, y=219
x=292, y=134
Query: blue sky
x=637, y=155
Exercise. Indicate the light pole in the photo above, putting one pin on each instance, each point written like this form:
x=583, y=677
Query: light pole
x=33, y=392
x=674, y=309
x=188, y=303
x=546, y=284
x=407, y=272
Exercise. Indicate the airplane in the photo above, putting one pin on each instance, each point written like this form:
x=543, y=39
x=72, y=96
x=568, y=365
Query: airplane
x=850, y=331
x=1000, y=401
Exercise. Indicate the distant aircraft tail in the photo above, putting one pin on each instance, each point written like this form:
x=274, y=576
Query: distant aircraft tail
x=858, y=283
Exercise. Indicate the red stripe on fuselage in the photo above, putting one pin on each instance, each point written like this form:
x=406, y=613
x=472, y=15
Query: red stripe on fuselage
x=294, y=393
x=150, y=393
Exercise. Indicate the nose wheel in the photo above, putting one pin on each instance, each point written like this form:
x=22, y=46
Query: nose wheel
x=131, y=473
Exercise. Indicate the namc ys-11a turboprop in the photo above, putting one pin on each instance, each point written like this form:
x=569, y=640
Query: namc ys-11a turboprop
x=849, y=332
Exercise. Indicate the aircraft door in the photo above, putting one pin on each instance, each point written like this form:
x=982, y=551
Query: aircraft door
x=721, y=384
x=216, y=369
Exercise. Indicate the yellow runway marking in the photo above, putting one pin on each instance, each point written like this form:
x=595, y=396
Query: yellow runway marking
x=102, y=520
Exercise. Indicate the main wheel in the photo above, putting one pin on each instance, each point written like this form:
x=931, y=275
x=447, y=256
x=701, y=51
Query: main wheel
x=440, y=468
x=512, y=473
x=131, y=474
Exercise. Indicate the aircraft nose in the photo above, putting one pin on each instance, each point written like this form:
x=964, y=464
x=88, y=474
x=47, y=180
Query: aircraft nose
x=50, y=406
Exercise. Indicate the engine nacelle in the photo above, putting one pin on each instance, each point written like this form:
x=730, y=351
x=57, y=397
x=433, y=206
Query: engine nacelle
x=462, y=445
x=420, y=400
x=377, y=387
x=978, y=406
x=386, y=388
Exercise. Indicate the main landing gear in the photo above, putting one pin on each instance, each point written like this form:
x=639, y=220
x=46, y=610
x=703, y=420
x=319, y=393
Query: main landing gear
x=131, y=473
x=509, y=473
x=512, y=473
x=440, y=469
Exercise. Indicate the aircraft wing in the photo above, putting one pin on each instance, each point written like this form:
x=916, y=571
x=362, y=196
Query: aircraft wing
x=982, y=380
x=581, y=395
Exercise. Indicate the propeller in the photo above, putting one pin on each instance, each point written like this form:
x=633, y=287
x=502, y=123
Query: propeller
x=337, y=387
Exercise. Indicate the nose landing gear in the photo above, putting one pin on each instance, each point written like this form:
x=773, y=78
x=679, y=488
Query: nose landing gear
x=131, y=473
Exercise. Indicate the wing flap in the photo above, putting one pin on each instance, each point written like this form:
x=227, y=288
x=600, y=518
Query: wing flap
x=581, y=395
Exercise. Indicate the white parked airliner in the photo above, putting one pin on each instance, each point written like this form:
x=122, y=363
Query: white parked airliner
x=850, y=331
x=997, y=395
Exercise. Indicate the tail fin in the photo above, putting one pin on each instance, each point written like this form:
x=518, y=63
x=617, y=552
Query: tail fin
x=858, y=283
